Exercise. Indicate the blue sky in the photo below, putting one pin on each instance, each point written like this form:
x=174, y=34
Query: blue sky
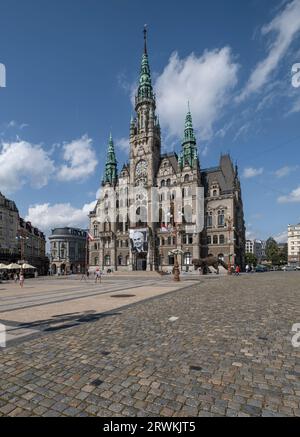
x=72, y=66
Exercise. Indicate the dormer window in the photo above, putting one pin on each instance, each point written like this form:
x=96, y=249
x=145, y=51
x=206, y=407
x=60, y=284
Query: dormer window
x=214, y=190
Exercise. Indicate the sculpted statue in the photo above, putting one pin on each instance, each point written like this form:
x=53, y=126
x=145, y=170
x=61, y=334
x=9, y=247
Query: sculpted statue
x=210, y=261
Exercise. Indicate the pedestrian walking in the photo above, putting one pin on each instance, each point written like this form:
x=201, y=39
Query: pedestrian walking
x=22, y=279
x=237, y=271
x=16, y=277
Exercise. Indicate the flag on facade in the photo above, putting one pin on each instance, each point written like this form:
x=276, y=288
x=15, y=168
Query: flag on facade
x=90, y=237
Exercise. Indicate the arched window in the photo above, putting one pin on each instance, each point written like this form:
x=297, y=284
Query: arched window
x=222, y=239
x=120, y=260
x=107, y=226
x=163, y=183
x=120, y=223
x=215, y=239
x=187, y=259
x=215, y=193
x=107, y=260
x=141, y=216
x=186, y=178
x=168, y=182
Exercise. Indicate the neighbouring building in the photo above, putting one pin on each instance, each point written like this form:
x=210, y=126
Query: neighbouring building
x=9, y=224
x=168, y=217
x=32, y=246
x=294, y=244
x=68, y=251
x=257, y=248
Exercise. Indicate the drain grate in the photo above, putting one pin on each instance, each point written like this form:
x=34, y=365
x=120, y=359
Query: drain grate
x=97, y=382
x=196, y=368
x=123, y=296
x=263, y=338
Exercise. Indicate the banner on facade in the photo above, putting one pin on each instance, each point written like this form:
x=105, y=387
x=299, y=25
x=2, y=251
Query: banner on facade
x=139, y=240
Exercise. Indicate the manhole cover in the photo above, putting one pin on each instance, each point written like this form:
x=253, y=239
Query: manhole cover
x=123, y=296
x=97, y=382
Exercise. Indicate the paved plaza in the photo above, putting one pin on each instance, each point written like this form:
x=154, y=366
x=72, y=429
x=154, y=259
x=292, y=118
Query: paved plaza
x=215, y=346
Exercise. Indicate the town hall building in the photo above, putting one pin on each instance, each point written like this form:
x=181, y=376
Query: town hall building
x=161, y=203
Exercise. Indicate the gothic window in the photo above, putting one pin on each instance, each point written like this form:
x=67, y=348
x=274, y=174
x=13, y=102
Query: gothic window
x=186, y=178
x=141, y=217
x=215, y=239
x=120, y=223
x=168, y=182
x=215, y=193
x=107, y=226
x=95, y=230
x=163, y=183
x=221, y=218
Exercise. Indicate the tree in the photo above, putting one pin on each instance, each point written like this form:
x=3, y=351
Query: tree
x=272, y=252
x=251, y=259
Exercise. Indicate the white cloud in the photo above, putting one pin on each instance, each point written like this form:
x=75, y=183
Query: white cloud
x=251, y=172
x=205, y=81
x=285, y=25
x=285, y=171
x=81, y=160
x=293, y=197
x=123, y=144
x=47, y=217
x=281, y=237
x=22, y=162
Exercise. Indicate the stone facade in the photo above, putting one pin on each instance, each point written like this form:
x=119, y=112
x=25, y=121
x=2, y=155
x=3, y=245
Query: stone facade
x=32, y=246
x=294, y=244
x=9, y=224
x=161, y=202
x=68, y=251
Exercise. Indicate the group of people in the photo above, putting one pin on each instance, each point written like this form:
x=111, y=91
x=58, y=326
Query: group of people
x=19, y=277
x=97, y=275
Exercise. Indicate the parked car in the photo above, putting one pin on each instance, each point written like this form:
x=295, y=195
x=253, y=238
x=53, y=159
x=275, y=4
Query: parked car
x=288, y=268
x=261, y=269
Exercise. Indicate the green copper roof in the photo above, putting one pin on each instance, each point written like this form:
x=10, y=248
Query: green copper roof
x=111, y=170
x=145, y=85
x=189, y=154
x=188, y=129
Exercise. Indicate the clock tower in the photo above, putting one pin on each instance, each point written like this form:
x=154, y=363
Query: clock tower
x=145, y=141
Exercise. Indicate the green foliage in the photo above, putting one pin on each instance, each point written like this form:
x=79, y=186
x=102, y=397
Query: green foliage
x=274, y=254
x=251, y=259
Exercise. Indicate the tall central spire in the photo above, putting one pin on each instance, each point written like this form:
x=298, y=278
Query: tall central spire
x=145, y=90
x=145, y=40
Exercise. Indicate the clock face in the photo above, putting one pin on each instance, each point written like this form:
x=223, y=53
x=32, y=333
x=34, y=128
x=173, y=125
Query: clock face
x=141, y=169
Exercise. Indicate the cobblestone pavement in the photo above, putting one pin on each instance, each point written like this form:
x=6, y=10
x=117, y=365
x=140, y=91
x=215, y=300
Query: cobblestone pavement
x=226, y=352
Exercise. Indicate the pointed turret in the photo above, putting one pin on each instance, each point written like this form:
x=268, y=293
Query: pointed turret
x=189, y=154
x=111, y=170
x=145, y=90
